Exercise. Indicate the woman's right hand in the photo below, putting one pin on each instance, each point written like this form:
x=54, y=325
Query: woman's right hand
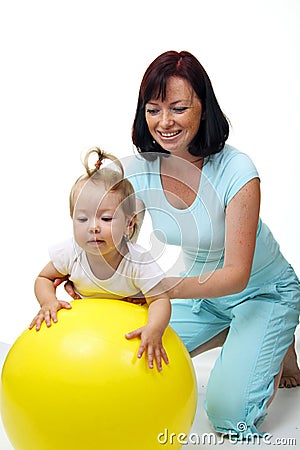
x=48, y=314
x=69, y=287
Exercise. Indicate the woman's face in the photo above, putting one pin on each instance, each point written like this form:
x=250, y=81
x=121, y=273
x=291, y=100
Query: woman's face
x=174, y=122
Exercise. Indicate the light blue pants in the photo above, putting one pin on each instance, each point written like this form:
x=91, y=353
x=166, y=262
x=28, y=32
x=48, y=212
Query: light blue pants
x=261, y=323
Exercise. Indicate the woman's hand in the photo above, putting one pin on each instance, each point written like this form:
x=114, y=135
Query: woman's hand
x=48, y=314
x=151, y=344
x=69, y=287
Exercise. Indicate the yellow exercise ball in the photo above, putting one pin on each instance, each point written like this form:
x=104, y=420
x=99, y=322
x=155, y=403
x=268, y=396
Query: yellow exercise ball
x=79, y=385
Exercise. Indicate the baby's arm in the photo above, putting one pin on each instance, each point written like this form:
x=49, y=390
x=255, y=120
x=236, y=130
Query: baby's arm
x=45, y=293
x=151, y=334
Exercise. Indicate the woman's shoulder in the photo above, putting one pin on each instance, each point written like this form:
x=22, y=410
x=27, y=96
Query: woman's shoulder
x=229, y=170
x=231, y=158
x=226, y=154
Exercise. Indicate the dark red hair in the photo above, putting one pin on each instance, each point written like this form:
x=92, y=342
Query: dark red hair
x=214, y=129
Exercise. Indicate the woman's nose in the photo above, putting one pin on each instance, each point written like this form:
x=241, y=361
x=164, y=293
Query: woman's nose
x=166, y=118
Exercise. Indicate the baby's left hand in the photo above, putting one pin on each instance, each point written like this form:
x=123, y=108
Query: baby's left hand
x=151, y=343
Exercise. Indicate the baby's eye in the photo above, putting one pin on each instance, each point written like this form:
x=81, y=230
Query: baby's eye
x=106, y=219
x=81, y=219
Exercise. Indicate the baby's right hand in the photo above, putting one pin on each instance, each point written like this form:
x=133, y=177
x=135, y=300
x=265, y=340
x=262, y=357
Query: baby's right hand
x=47, y=313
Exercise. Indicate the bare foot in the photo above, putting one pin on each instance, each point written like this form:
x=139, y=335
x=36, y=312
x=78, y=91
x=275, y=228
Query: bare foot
x=291, y=373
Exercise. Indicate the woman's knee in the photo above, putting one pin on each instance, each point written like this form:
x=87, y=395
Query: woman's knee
x=231, y=414
x=225, y=402
x=233, y=404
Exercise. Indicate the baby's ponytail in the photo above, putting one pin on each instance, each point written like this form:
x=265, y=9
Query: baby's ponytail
x=102, y=155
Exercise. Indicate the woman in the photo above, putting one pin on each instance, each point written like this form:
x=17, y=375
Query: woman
x=204, y=195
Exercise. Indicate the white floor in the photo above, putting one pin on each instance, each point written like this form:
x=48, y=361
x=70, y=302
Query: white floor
x=282, y=423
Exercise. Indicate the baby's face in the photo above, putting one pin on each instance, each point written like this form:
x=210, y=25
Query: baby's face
x=99, y=222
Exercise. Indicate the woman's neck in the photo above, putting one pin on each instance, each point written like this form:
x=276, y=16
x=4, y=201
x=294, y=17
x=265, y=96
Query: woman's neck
x=187, y=165
x=180, y=180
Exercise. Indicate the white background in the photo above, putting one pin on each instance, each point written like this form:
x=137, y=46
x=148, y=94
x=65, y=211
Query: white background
x=69, y=79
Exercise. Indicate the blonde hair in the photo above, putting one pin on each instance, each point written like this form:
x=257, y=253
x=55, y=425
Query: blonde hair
x=113, y=180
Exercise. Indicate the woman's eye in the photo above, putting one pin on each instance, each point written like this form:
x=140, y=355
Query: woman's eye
x=180, y=109
x=152, y=111
x=175, y=109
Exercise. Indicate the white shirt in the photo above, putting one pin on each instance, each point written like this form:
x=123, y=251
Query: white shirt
x=136, y=272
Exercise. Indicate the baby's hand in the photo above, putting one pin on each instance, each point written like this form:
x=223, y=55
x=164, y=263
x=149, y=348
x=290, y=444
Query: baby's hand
x=151, y=344
x=47, y=313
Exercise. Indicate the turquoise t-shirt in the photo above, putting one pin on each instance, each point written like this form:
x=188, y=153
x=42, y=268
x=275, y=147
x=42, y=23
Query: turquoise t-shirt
x=200, y=229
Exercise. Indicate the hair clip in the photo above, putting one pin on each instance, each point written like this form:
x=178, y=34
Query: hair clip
x=98, y=164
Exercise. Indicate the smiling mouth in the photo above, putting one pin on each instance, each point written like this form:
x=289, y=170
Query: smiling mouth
x=170, y=134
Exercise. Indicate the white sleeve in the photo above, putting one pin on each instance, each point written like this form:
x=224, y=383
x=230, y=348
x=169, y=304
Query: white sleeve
x=63, y=255
x=147, y=272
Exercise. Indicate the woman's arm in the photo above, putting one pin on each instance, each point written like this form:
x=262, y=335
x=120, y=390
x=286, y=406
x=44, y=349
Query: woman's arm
x=242, y=215
x=45, y=292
